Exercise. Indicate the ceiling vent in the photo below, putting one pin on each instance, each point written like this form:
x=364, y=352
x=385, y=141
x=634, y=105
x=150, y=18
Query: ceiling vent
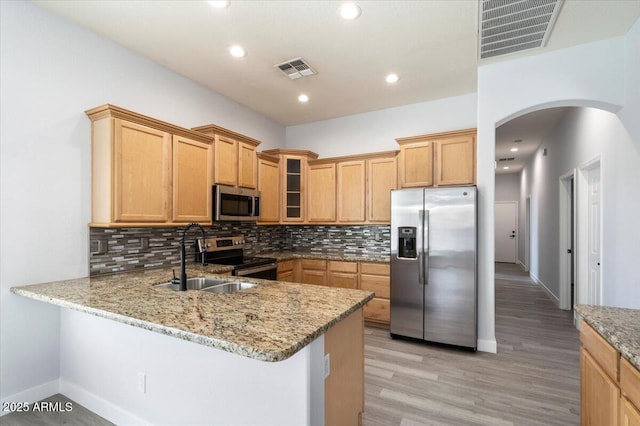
x=296, y=68
x=506, y=159
x=508, y=26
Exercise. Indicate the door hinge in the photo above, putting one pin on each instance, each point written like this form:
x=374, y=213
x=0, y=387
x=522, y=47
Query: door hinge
x=569, y=251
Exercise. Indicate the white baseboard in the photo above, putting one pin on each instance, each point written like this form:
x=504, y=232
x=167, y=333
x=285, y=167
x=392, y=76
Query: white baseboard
x=33, y=394
x=100, y=406
x=521, y=263
x=546, y=289
x=490, y=346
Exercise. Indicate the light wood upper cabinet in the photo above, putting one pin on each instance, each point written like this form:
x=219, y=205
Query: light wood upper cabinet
x=142, y=173
x=321, y=192
x=381, y=179
x=293, y=183
x=416, y=164
x=351, y=191
x=236, y=162
x=192, y=180
x=440, y=159
x=456, y=160
x=247, y=166
x=146, y=172
x=269, y=187
x=226, y=161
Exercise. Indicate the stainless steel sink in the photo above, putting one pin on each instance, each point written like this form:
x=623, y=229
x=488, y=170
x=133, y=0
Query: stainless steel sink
x=230, y=287
x=211, y=285
x=199, y=283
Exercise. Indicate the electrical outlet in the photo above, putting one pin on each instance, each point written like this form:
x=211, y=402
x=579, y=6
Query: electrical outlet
x=142, y=382
x=327, y=365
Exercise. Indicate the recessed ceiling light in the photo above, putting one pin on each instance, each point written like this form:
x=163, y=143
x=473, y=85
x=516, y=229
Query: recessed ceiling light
x=349, y=11
x=219, y=4
x=303, y=98
x=392, y=78
x=514, y=149
x=506, y=167
x=237, y=51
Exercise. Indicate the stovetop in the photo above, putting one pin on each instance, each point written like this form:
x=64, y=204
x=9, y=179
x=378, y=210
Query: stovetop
x=228, y=251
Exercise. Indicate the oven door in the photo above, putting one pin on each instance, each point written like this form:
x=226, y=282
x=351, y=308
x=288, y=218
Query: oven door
x=234, y=204
x=266, y=272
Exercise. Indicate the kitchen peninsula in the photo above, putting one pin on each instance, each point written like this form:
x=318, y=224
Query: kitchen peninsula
x=215, y=371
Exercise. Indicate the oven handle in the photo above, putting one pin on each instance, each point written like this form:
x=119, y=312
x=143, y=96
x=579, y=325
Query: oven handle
x=246, y=271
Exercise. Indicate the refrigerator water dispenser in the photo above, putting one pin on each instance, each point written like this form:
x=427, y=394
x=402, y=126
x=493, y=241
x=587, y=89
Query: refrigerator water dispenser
x=407, y=242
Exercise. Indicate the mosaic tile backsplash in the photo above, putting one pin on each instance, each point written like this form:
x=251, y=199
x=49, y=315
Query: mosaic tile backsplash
x=126, y=249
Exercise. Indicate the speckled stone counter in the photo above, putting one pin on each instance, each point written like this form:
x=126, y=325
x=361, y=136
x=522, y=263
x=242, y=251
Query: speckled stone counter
x=269, y=322
x=619, y=326
x=288, y=255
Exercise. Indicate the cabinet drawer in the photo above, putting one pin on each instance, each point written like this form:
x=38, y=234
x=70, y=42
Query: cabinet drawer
x=376, y=283
x=375, y=268
x=336, y=266
x=600, y=350
x=377, y=310
x=630, y=381
x=314, y=264
x=285, y=266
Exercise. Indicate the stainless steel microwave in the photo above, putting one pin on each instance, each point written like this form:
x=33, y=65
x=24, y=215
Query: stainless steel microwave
x=235, y=204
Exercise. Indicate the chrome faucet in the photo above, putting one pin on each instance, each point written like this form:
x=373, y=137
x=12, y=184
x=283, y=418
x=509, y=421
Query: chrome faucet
x=183, y=255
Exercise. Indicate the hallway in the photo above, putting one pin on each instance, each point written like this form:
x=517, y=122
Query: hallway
x=534, y=379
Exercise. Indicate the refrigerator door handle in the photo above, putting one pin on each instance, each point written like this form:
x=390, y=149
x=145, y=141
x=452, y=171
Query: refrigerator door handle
x=419, y=237
x=425, y=245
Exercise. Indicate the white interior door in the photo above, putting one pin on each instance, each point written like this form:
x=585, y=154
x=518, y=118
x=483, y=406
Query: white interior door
x=506, y=231
x=594, y=288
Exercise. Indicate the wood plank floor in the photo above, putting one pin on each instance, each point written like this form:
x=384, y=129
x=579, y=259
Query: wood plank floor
x=534, y=379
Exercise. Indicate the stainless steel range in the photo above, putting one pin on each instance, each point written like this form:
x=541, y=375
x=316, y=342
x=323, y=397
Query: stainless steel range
x=230, y=251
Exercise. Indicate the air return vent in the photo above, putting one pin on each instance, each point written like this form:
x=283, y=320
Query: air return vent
x=506, y=159
x=296, y=68
x=508, y=26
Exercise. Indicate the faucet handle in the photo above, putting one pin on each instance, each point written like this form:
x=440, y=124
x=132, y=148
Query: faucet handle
x=175, y=279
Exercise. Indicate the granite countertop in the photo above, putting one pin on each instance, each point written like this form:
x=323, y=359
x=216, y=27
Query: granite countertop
x=269, y=322
x=619, y=326
x=345, y=257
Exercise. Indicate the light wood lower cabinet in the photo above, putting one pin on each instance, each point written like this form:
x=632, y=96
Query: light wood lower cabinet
x=375, y=277
x=609, y=384
x=370, y=276
x=342, y=274
x=313, y=271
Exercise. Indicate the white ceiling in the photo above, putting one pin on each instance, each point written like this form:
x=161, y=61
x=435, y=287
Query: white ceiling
x=531, y=129
x=432, y=45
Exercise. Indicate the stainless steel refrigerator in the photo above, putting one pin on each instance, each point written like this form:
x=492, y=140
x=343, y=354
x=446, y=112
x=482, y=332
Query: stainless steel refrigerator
x=433, y=264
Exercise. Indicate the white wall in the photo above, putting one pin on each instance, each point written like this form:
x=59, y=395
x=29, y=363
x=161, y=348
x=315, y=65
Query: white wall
x=186, y=383
x=508, y=187
x=591, y=74
x=377, y=130
x=52, y=71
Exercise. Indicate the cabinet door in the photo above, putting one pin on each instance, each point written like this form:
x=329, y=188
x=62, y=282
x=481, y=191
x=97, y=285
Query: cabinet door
x=142, y=173
x=226, y=170
x=343, y=280
x=293, y=184
x=321, y=193
x=416, y=164
x=247, y=173
x=192, y=180
x=629, y=415
x=599, y=395
x=381, y=179
x=455, y=160
x=269, y=186
x=351, y=191
x=313, y=276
